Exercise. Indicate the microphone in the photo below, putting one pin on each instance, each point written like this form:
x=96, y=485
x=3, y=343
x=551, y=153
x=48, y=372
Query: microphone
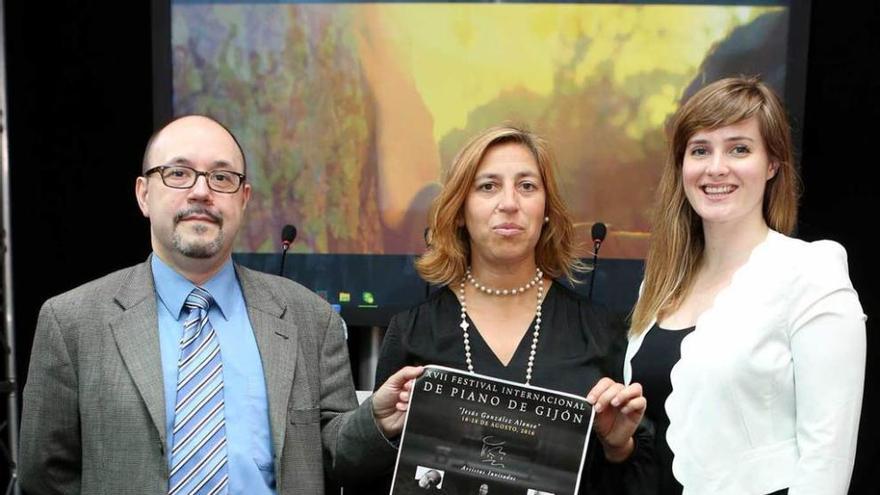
x=597, y=233
x=288, y=235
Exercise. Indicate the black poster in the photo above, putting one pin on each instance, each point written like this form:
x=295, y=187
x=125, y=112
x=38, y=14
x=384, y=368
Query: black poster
x=472, y=434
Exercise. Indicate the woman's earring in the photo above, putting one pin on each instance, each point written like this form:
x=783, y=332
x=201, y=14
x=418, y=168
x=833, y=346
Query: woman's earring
x=546, y=219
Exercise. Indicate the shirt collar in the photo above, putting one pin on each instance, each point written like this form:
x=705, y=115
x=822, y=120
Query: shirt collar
x=173, y=288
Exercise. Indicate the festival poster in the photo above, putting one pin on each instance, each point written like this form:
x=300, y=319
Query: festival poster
x=467, y=433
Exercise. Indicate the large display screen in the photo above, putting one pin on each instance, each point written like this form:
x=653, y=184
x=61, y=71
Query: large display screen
x=349, y=112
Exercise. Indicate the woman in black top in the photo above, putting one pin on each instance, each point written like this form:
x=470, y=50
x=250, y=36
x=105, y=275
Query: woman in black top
x=500, y=234
x=578, y=342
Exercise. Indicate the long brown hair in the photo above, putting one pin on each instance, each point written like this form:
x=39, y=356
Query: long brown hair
x=677, y=241
x=448, y=254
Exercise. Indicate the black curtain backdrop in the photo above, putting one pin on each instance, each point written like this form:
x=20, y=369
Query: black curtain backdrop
x=841, y=114
x=79, y=86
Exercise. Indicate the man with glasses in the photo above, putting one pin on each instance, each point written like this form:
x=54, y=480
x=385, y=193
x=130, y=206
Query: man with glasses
x=191, y=374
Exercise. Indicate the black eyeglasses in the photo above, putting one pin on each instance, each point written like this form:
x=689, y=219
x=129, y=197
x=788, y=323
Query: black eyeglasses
x=181, y=177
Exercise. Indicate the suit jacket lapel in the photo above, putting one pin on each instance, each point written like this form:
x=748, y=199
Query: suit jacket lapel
x=136, y=332
x=277, y=341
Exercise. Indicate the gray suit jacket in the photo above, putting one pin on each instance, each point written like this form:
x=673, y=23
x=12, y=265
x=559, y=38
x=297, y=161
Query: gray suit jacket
x=93, y=419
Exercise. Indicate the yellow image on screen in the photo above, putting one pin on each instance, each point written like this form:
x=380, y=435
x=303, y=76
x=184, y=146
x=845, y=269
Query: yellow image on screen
x=349, y=113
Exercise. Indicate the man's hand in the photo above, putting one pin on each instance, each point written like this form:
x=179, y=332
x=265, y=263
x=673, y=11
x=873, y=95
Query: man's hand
x=391, y=400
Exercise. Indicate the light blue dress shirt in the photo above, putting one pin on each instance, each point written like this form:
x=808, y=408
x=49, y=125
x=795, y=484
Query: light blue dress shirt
x=249, y=446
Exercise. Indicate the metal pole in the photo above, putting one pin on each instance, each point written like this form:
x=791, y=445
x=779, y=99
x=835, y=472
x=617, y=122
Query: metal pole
x=9, y=321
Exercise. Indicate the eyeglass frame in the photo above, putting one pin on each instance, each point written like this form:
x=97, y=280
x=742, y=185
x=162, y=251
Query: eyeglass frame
x=206, y=175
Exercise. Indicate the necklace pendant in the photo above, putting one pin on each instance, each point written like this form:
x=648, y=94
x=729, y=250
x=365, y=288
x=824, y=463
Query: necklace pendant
x=538, y=281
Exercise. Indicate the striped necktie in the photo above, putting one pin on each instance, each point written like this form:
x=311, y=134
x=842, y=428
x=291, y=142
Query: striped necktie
x=198, y=453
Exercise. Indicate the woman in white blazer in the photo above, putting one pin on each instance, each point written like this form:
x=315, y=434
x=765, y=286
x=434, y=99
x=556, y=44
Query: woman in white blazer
x=749, y=344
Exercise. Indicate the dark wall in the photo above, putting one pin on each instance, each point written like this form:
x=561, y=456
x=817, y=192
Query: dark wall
x=79, y=84
x=840, y=201
x=80, y=112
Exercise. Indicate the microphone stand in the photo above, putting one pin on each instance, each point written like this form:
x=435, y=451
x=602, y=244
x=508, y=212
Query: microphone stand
x=596, y=246
x=427, y=237
x=284, y=247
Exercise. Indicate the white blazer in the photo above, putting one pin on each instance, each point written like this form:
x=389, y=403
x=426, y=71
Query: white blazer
x=768, y=391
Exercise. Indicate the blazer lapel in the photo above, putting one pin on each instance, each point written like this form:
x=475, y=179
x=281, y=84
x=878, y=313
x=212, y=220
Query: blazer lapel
x=137, y=337
x=277, y=341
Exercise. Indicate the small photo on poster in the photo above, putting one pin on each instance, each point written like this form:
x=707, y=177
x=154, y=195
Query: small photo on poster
x=428, y=477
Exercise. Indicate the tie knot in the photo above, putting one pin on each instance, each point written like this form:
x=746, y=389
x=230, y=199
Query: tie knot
x=199, y=298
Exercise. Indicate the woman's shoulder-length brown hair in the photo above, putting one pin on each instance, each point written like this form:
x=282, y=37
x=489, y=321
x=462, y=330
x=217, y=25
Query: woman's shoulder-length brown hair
x=448, y=253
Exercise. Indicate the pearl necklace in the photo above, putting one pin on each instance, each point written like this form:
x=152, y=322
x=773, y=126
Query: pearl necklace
x=504, y=292
x=537, y=281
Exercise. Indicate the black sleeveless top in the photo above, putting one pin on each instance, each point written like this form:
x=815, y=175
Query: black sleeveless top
x=651, y=366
